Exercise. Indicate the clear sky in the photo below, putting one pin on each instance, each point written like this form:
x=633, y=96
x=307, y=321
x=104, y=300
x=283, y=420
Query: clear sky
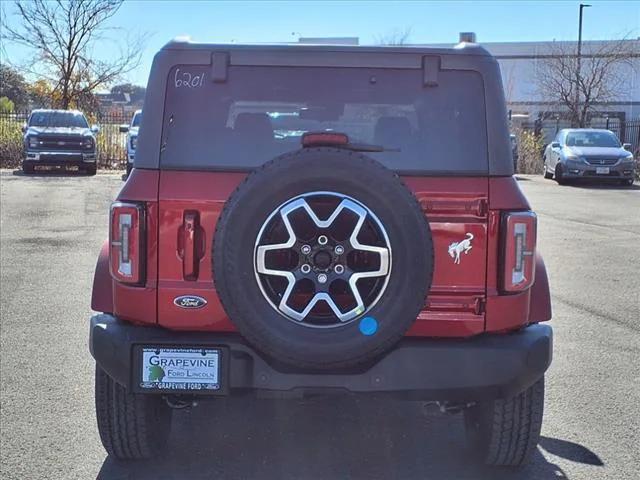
x=429, y=22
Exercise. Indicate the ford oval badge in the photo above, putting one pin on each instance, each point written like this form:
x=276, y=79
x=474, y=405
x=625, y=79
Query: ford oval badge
x=189, y=301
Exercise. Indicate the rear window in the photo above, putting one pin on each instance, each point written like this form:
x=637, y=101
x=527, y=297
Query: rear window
x=261, y=112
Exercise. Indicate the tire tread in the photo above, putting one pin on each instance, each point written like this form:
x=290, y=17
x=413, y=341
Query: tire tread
x=509, y=429
x=123, y=420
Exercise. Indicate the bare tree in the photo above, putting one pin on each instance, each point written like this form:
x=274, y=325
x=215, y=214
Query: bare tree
x=582, y=86
x=398, y=36
x=62, y=36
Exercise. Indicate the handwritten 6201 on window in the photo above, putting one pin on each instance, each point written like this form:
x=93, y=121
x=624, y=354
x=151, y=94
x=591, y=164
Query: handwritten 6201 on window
x=187, y=79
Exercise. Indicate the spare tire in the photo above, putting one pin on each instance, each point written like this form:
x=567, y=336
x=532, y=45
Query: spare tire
x=322, y=258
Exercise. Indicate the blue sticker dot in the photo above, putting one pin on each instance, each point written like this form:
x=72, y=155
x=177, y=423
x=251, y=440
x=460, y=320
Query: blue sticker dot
x=368, y=326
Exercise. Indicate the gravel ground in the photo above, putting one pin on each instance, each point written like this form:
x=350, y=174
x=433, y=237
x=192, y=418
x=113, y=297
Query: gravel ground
x=52, y=227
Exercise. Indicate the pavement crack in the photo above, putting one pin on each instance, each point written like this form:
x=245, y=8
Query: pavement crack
x=616, y=228
x=596, y=313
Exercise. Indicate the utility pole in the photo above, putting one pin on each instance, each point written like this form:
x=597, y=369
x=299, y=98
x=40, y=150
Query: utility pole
x=582, y=5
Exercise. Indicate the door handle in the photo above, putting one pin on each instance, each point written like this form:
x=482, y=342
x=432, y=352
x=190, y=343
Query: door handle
x=190, y=260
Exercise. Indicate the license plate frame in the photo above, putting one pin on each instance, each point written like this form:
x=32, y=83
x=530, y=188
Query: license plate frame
x=191, y=385
x=602, y=170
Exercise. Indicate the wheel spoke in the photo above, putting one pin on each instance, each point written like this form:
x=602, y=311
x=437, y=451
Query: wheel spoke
x=292, y=276
x=318, y=297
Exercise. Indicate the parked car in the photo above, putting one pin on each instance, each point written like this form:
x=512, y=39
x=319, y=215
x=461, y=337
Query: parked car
x=132, y=138
x=370, y=255
x=60, y=138
x=578, y=153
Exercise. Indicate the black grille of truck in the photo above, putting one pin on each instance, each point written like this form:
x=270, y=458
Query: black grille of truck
x=60, y=143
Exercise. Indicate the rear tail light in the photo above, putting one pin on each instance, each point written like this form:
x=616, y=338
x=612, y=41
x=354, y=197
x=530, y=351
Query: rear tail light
x=126, y=242
x=520, y=245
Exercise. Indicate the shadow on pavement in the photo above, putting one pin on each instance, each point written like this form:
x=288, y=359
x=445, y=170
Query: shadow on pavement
x=594, y=185
x=324, y=438
x=570, y=451
x=52, y=173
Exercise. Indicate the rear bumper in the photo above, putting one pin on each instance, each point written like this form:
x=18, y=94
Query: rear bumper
x=487, y=366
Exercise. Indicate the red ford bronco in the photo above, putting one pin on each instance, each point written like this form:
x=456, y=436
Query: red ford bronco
x=319, y=219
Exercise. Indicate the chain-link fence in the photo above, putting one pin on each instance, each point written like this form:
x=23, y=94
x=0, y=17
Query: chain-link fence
x=111, y=144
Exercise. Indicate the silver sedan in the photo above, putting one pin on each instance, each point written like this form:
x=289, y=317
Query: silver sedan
x=588, y=153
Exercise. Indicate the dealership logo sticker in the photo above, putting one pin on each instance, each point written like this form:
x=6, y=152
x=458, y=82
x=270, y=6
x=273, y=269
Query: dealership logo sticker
x=156, y=373
x=457, y=248
x=189, y=301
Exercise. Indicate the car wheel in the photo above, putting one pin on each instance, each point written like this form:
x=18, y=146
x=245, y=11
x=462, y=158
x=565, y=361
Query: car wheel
x=627, y=182
x=91, y=170
x=131, y=426
x=28, y=169
x=559, y=175
x=506, y=432
x=545, y=171
x=322, y=259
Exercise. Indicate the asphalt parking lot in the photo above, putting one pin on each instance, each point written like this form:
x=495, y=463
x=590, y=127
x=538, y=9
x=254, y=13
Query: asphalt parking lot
x=52, y=227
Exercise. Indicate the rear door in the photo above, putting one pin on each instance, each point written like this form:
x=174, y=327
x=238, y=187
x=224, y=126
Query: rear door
x=214, y=133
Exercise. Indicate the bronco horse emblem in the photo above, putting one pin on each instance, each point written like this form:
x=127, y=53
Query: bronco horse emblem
x=456, y=248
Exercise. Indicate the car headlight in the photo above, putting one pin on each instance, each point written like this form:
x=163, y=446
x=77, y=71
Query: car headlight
x=574, y=161
x=628, y=158
x=134, y=142
x=88, y=143
x=32, y=142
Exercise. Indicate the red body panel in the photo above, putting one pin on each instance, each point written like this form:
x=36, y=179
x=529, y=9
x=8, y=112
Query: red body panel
x=102, y=294
x=464, y=299
x=503, y=312
x=454, y=208
x=540, y=304
x=139, y=304
x=205, y=193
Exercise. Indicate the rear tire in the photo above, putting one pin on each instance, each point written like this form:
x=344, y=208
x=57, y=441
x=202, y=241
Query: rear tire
x=131, y=426
x=546, y=172
x=506, y=432
x=91, y=170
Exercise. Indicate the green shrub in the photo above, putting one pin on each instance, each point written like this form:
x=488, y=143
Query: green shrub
x=6, y=105
x=529, y=152
x=11, y=148
x=112, y=147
